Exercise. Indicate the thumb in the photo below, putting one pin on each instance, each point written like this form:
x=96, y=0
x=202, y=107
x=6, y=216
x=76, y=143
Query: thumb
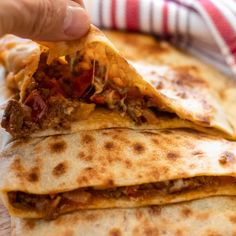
x=50, y=20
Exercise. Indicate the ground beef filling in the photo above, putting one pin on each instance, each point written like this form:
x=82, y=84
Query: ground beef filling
x=54, y=204
x=53, y=99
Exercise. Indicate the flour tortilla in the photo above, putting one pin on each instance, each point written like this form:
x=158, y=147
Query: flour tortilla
x=107, y=159
x=176, y=90
x=210, y=216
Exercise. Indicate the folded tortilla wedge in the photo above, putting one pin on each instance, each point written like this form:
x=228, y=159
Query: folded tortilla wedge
x=65, y=87
x=46, y=177
x=210, y=216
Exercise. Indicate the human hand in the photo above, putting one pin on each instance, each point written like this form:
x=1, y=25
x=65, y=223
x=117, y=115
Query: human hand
x=50, y=20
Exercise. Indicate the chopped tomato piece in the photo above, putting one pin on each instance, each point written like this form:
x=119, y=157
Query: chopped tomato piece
x=98, y=99
x=37, y=104
x=81, y=83
x=131, y=191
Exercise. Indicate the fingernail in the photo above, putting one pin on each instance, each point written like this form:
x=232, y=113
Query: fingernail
x=76, y=21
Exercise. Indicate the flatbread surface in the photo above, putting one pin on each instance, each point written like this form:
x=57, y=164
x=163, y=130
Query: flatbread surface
x=212, y=216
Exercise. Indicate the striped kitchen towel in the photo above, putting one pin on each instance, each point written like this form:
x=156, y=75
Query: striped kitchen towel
x=206, y=28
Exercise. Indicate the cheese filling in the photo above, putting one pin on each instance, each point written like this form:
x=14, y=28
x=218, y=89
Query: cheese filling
x=51, y=205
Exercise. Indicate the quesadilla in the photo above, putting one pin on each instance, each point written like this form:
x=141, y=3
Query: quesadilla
x=211, y=216
x=65, y=87
x=46, y=177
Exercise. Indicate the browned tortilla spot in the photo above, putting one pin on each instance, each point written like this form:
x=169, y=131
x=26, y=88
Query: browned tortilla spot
x=184, y=78
x=167, y=141
x=88, y=158
x=159, y=85
x=109, y=159
x=86, y=139
x=139, y=176
x=172, y=155
x=90, y=171
x=233, y=219
x=16, y=165
x=164, y=169
x=222, y=94
x=155, y=210
x=58, y=146
x=109, y=145
x=179, y=232
x=109, y=183
x=138, y=148
x=84, y=157
x=186, y=212
x=128, y=164
x=115, y=232
x=115, y=136
x=150, y=231
x=182, y=95
x=60, y=169
x=155, y=141
x=226, y=157
x=103, y=167
x=82, y=180
x=68, y=232
x=18, y=168
x=81, y=155
x=33, y=176
x=155, y=173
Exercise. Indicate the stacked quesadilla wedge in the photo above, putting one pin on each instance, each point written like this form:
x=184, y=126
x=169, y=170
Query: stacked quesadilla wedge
x=93, y=130
x=211, y=216
x=70, y=86
x=46, y=177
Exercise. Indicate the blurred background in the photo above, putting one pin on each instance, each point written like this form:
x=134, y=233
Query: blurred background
x=205, y=28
